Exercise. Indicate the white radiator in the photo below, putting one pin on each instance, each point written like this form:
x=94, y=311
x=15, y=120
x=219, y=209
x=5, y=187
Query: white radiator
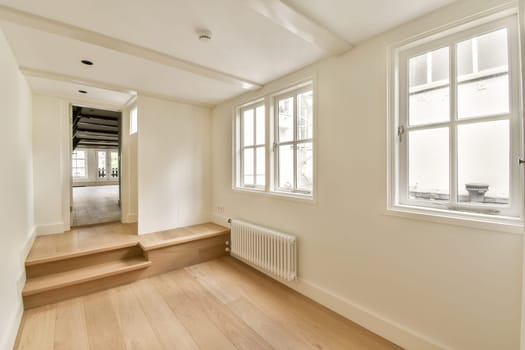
x=272, y=251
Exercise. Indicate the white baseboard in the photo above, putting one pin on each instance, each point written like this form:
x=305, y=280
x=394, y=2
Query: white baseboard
x=8, y=341
x=388, y=329
x=50, y=229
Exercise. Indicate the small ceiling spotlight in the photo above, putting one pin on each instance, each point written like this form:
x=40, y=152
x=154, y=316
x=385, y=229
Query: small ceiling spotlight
x=87, y=62
x=82, y=91
x=204, y=35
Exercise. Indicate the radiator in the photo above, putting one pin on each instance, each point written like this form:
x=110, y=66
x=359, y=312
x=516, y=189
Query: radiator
x=269, y=250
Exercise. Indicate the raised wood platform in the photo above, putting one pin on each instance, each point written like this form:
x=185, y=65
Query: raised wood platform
x=95, y=258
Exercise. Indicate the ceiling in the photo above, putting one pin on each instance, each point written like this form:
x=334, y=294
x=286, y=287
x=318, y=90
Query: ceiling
x=153, y=49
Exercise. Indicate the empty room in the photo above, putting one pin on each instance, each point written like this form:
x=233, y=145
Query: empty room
x=262, y=174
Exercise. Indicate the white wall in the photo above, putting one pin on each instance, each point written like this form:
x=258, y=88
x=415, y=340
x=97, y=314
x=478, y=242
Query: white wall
x=16, y=191
x=173, y=164
x=50, y=139
x=423, y=285
x=129, y=179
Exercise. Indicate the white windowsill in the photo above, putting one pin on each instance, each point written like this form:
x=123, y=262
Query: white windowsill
x=296, y=197
x=447, y=217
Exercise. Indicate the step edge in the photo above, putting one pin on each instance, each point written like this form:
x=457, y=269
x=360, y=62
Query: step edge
x=80, y=253
x=182, y=240
x=138, y=266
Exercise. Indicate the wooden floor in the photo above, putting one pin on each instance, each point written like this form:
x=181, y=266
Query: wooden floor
x=219, y=304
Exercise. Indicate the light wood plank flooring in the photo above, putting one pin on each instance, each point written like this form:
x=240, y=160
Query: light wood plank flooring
x=219, y=304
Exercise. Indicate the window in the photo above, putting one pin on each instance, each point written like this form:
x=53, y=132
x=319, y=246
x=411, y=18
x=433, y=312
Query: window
x=286, y=167
x=79, y=164
x=456, y=134
x=133, y=121
x=101, y=164
x=293, y=146
x=114, y=165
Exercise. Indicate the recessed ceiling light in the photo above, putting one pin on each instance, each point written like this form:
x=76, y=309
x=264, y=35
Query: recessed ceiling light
x=87, y=62
x=204, y=35
x=82, y=91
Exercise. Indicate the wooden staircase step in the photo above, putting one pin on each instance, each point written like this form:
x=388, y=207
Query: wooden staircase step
x=65, y=279
x=101, y=248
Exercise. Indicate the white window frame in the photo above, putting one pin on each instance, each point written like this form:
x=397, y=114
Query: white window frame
x=398, y=167
x=295, y=142
x=269, y=101
x=73, y=163
x=252, y=106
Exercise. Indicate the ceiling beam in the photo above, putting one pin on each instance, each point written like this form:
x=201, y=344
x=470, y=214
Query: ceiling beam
x=294, y=21
x=26, y=19
x=38, y=73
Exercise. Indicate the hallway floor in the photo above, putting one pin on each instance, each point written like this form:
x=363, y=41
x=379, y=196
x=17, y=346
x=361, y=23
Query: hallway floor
x=95, y=204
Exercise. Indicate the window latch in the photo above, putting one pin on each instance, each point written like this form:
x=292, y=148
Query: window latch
x=400, y=132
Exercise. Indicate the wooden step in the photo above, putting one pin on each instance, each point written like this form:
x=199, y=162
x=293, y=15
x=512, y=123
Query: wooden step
x=85, y=274
x=78, y=261
x=64, y=285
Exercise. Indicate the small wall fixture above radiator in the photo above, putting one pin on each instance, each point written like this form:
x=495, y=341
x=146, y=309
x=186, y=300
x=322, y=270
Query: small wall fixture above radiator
x=272, y=251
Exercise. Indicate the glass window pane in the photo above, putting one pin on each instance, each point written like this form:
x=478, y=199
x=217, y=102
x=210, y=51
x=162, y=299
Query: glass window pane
x=248, y=166
x=431, y=106
x=248, y=127
x=260, y=166
x=285, y=122
x=286, y=167
x=440, y=64
x=305, y=166
x=418, y=70
x=428, y=159
x=483, y=97
x=492, y=50
x=101, y=156
x=483, y=162
x=464, y=58
x=305, y=115
x=260, y=126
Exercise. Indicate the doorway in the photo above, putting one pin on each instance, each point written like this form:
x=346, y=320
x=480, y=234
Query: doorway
x=95, y=166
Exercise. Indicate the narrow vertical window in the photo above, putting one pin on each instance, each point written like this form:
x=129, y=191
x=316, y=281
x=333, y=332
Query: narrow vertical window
x=79, y=164
x=293, y=145
x=252, y=149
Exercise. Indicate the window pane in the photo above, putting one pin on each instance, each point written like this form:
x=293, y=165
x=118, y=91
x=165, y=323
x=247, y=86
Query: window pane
x=286, y=127
x=418, y=70
x=305, y=115
x=430, y=106
x=305, y=167
x=101, y=160
x=483, y=97
x=260, y=166
x=286, y=167
x=428, y=157
x=492, y=50
x=260, y=126
x=440, y=64
x=464, y=58
x=483, y=162
x=248, y=166
x=248, y=127
x=430, y=103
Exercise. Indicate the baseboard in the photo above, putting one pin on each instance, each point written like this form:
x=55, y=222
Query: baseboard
x=388, y=329
x=42, y=230
x=8, y=341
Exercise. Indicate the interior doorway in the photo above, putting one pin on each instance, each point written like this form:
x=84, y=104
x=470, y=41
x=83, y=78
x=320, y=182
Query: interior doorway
x=95, y=166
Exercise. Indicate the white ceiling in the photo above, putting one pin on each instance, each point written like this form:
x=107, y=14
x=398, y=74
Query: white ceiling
x=358, y=20
x=146, y=46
